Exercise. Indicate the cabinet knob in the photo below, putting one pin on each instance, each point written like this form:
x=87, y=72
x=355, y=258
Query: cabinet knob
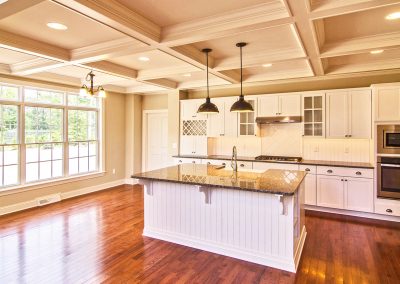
x=224, y=164
x=242, y=165
x=222, y=135
x=389, y=210
x=329, y=171
x=350, y=135
x=307, y=170
x=194, y=162
x=180, y=161
x=208, y=163
x=358, y=173
x=342, y=180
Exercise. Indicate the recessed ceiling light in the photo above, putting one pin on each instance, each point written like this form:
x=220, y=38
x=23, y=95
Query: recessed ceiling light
x=267, y=65
x=3, y=1
x=57, y=26
x=393, y=16
x=376, y=51
x=187, y=75
x=143, y=58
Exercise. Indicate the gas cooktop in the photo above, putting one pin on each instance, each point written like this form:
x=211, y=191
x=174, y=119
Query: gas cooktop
x=278, y=158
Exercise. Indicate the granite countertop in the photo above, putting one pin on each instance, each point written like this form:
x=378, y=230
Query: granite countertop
x=303, y=162
x=271, y=181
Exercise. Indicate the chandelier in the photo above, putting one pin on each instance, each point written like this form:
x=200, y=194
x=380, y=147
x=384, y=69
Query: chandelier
x=90, y=91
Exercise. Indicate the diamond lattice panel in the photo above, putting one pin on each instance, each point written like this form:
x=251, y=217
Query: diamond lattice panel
x=194, y=128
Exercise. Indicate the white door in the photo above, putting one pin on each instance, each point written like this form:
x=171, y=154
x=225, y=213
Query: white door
x=360, y=114
x=330, y=192
x=290, y=105
x=337, y=114
x=156, y=152
x=359, y=194
x=268, y=106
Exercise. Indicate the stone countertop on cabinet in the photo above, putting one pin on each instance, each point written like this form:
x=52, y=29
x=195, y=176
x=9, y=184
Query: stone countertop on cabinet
x=271, y=181
x=303, y=162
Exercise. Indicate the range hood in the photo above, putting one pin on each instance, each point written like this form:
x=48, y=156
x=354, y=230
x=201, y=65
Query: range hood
x=278, y=119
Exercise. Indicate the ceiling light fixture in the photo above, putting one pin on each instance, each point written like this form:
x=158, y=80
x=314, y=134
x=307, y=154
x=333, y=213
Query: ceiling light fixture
x=57, y=26
x=144, y=58
x=376, y=51
x=3, y=1
x=393, y=16
x=267, y=65
x=90, y=91
x=208, y=106
x=241, y=105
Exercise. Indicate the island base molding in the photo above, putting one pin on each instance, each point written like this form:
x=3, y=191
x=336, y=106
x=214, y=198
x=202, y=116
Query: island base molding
x=258, y=227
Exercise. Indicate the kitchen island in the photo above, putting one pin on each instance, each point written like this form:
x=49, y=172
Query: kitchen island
x=256, y=216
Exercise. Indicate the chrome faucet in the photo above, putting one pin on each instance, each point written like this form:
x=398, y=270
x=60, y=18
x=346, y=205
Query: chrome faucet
x=234, y=159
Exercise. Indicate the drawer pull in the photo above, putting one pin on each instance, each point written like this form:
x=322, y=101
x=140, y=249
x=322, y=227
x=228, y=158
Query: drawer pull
x=389, y=210
x=342, y=180
x=358, y=173
x=307, y=170
x=329, y=171
x=194, y=162
x=224, y=164
x=242, y=165
x=208, y=163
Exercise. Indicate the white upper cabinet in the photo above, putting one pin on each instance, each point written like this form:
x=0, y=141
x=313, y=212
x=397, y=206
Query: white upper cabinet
x=279, y=105
x=224, y=123
x=314, y=115
x=189, y=110
x=348, y=114
x=247, y=120
x=387, y=103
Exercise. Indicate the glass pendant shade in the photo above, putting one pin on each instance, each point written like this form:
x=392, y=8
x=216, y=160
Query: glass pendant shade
x=242, y=106
x=208, y=107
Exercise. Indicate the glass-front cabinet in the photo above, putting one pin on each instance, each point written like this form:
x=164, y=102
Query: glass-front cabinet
x=314, y=115
x=247, y=120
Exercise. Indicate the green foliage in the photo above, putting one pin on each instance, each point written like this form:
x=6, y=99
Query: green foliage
x=82, y=125
x=43, y=125
x=8, y=124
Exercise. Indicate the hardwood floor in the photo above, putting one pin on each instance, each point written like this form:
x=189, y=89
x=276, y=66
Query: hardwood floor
x=97, y=239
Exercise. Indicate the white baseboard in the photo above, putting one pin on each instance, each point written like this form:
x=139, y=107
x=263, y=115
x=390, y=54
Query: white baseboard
x=222, y=249
x=65, y=195
x=131, y=181
x=353, y=213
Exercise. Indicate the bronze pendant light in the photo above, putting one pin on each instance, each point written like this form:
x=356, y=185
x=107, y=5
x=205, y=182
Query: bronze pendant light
x=208, y=106
x=241, y=105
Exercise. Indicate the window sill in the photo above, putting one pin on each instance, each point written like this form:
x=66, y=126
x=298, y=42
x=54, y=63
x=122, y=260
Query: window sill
x=48, y=183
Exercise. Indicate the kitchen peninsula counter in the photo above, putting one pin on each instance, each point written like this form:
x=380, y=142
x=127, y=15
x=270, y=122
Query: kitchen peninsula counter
x=257, y=216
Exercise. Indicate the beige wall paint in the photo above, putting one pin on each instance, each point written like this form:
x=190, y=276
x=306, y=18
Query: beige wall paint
x=152, y=102
x=133, y=138
x=114, y=155
x=174, y=96
x=298, y=85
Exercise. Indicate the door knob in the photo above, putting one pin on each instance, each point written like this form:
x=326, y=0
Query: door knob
x=329, y=171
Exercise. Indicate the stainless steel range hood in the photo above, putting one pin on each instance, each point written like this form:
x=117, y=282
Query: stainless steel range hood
x=278, y=119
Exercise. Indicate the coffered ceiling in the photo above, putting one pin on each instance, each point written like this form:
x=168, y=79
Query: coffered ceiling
x=147, y=46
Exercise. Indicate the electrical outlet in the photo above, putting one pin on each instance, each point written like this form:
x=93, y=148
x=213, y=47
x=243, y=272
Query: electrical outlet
x=113, y=171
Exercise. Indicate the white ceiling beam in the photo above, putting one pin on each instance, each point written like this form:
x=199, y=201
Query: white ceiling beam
x=306, y=32
x=262, y=16
x=115, y=15
x=364, y=67
x=34, y=47
x=165, y=72
x=12, y=7
x=35, y=65
x=329, y=8
x=111, y=68
x=5, y=68
x=360, y=45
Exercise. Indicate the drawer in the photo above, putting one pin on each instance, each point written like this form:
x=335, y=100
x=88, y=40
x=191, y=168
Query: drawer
x=391, y=208
x=346, y=172
x=179, y=161
x=309, y=169
x=217, y=162
x=244, y=165
x=275, y=166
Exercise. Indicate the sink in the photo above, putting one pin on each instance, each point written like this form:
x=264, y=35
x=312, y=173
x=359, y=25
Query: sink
x=243, y=170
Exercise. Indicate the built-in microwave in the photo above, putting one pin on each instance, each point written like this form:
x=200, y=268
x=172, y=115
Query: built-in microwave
x=388, y=139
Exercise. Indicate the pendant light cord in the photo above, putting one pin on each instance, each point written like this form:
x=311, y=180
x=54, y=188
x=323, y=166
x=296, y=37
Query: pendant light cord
x=241, y=72
x=208, y=88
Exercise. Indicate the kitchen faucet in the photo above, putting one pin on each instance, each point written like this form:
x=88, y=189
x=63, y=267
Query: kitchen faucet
x=234, y=159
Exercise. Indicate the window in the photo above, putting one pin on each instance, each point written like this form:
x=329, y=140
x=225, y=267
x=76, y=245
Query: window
x=46, y=134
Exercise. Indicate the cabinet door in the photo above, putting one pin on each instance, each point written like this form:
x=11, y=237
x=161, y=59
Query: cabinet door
x=387, y=104
x=189, y=109
x=216, y=121
x=359, y=194
x=311, y=189
x=290, y=105
x=268, y=106
x=360, y=114
x=200, y=143
x=231, y=118
x=187, y=145
x=337, y=114
x=330, y=191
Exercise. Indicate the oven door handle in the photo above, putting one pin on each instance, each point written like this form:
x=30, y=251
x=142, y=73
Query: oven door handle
x=390, y=165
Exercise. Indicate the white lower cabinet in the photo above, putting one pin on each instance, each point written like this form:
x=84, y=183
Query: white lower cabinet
x=193, y=145
x=179, y=161
x=311, y=189
x=345, y=193
x=275, y=166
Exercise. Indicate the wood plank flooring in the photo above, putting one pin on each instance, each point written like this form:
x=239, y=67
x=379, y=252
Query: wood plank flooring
x=97, y=239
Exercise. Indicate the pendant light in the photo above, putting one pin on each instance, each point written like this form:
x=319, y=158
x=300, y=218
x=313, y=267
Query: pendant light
x=208, y=106
x=241, y=105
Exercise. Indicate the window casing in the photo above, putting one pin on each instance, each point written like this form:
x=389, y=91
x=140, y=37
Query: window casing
x=46, y=135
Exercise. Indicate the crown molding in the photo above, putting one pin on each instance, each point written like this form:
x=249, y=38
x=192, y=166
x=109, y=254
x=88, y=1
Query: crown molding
x=163, y=83
x=165, y=72
x=362, y=67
